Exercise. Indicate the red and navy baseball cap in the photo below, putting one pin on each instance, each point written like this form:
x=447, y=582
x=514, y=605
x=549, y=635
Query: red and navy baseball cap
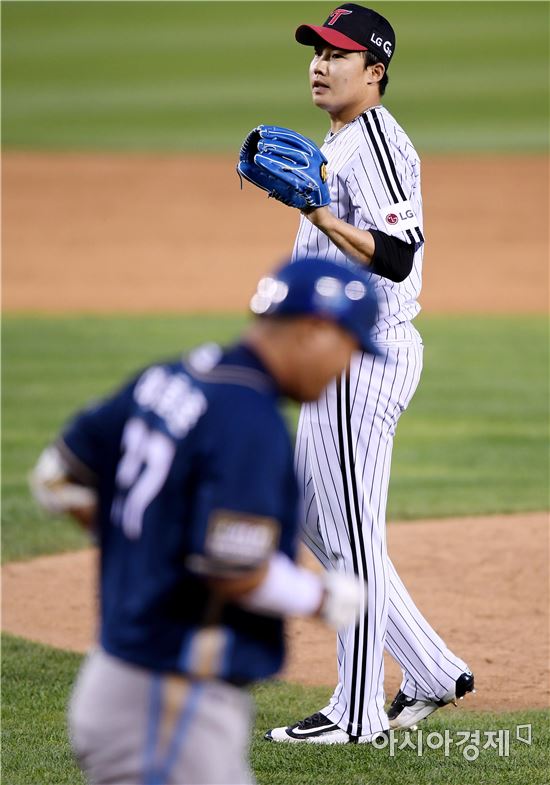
x=353, y=28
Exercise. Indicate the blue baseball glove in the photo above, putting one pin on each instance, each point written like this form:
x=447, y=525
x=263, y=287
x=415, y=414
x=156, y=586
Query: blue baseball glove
x=289, y=166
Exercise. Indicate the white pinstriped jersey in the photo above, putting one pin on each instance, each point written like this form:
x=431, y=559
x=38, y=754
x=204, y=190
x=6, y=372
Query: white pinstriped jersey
x=345, y=439
x=374, y=180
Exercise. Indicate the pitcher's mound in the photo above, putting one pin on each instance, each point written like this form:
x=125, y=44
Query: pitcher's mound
x=482, y=583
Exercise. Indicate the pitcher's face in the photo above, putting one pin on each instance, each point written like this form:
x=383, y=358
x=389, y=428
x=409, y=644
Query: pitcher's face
x=338, y=79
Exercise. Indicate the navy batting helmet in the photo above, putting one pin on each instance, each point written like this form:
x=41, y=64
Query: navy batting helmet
x=325, y=289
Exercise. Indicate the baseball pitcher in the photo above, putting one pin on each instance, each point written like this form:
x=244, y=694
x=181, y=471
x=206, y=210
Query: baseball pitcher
x=361, y=205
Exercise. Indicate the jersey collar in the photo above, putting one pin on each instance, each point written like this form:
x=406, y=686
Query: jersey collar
x=330, y=136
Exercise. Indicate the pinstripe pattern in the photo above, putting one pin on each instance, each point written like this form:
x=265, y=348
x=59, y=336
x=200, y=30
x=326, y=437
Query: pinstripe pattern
x=372, y=163
x=343, y=458
x=344, y=441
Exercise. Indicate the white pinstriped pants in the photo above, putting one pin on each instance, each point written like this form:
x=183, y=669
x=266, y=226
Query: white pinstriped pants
x=343, y=456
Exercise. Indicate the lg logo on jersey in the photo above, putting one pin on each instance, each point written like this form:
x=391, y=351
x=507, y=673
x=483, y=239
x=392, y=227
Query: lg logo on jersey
x=392, y=218
x=381, y=44
x=398, y=217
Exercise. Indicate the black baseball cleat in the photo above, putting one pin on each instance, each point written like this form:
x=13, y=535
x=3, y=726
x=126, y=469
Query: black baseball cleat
x=406, y=712
x=317, y=729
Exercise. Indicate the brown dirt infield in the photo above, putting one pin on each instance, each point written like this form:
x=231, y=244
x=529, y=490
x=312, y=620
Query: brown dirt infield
x=482, y=582
x=128, y=233
x=100, y=233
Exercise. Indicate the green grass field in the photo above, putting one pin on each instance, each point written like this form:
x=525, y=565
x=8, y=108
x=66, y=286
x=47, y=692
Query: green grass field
x=37, y=681
x=474, y=440
x=199, y=75
x=196, y=76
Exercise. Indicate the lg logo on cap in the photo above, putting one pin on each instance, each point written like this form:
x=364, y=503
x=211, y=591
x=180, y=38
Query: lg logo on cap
x=381, y=44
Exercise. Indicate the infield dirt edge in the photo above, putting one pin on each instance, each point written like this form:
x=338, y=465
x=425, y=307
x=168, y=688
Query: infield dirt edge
x=483, y=593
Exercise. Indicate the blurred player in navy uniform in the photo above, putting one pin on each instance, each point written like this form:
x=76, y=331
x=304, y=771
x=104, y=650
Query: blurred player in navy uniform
x=186, y=477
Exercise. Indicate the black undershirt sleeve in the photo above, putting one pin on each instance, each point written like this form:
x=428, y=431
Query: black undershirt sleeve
x=393, y=258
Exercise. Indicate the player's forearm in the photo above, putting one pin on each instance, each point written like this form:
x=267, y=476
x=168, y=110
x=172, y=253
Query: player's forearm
x=383, y=254
x=355, y=243
x=233, y=587
x=287, y=589
x=279, y=587
x=291, y=590
x=276, y=587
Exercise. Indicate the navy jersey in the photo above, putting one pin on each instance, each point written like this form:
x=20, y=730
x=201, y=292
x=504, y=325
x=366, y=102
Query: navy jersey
x=171, y=453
